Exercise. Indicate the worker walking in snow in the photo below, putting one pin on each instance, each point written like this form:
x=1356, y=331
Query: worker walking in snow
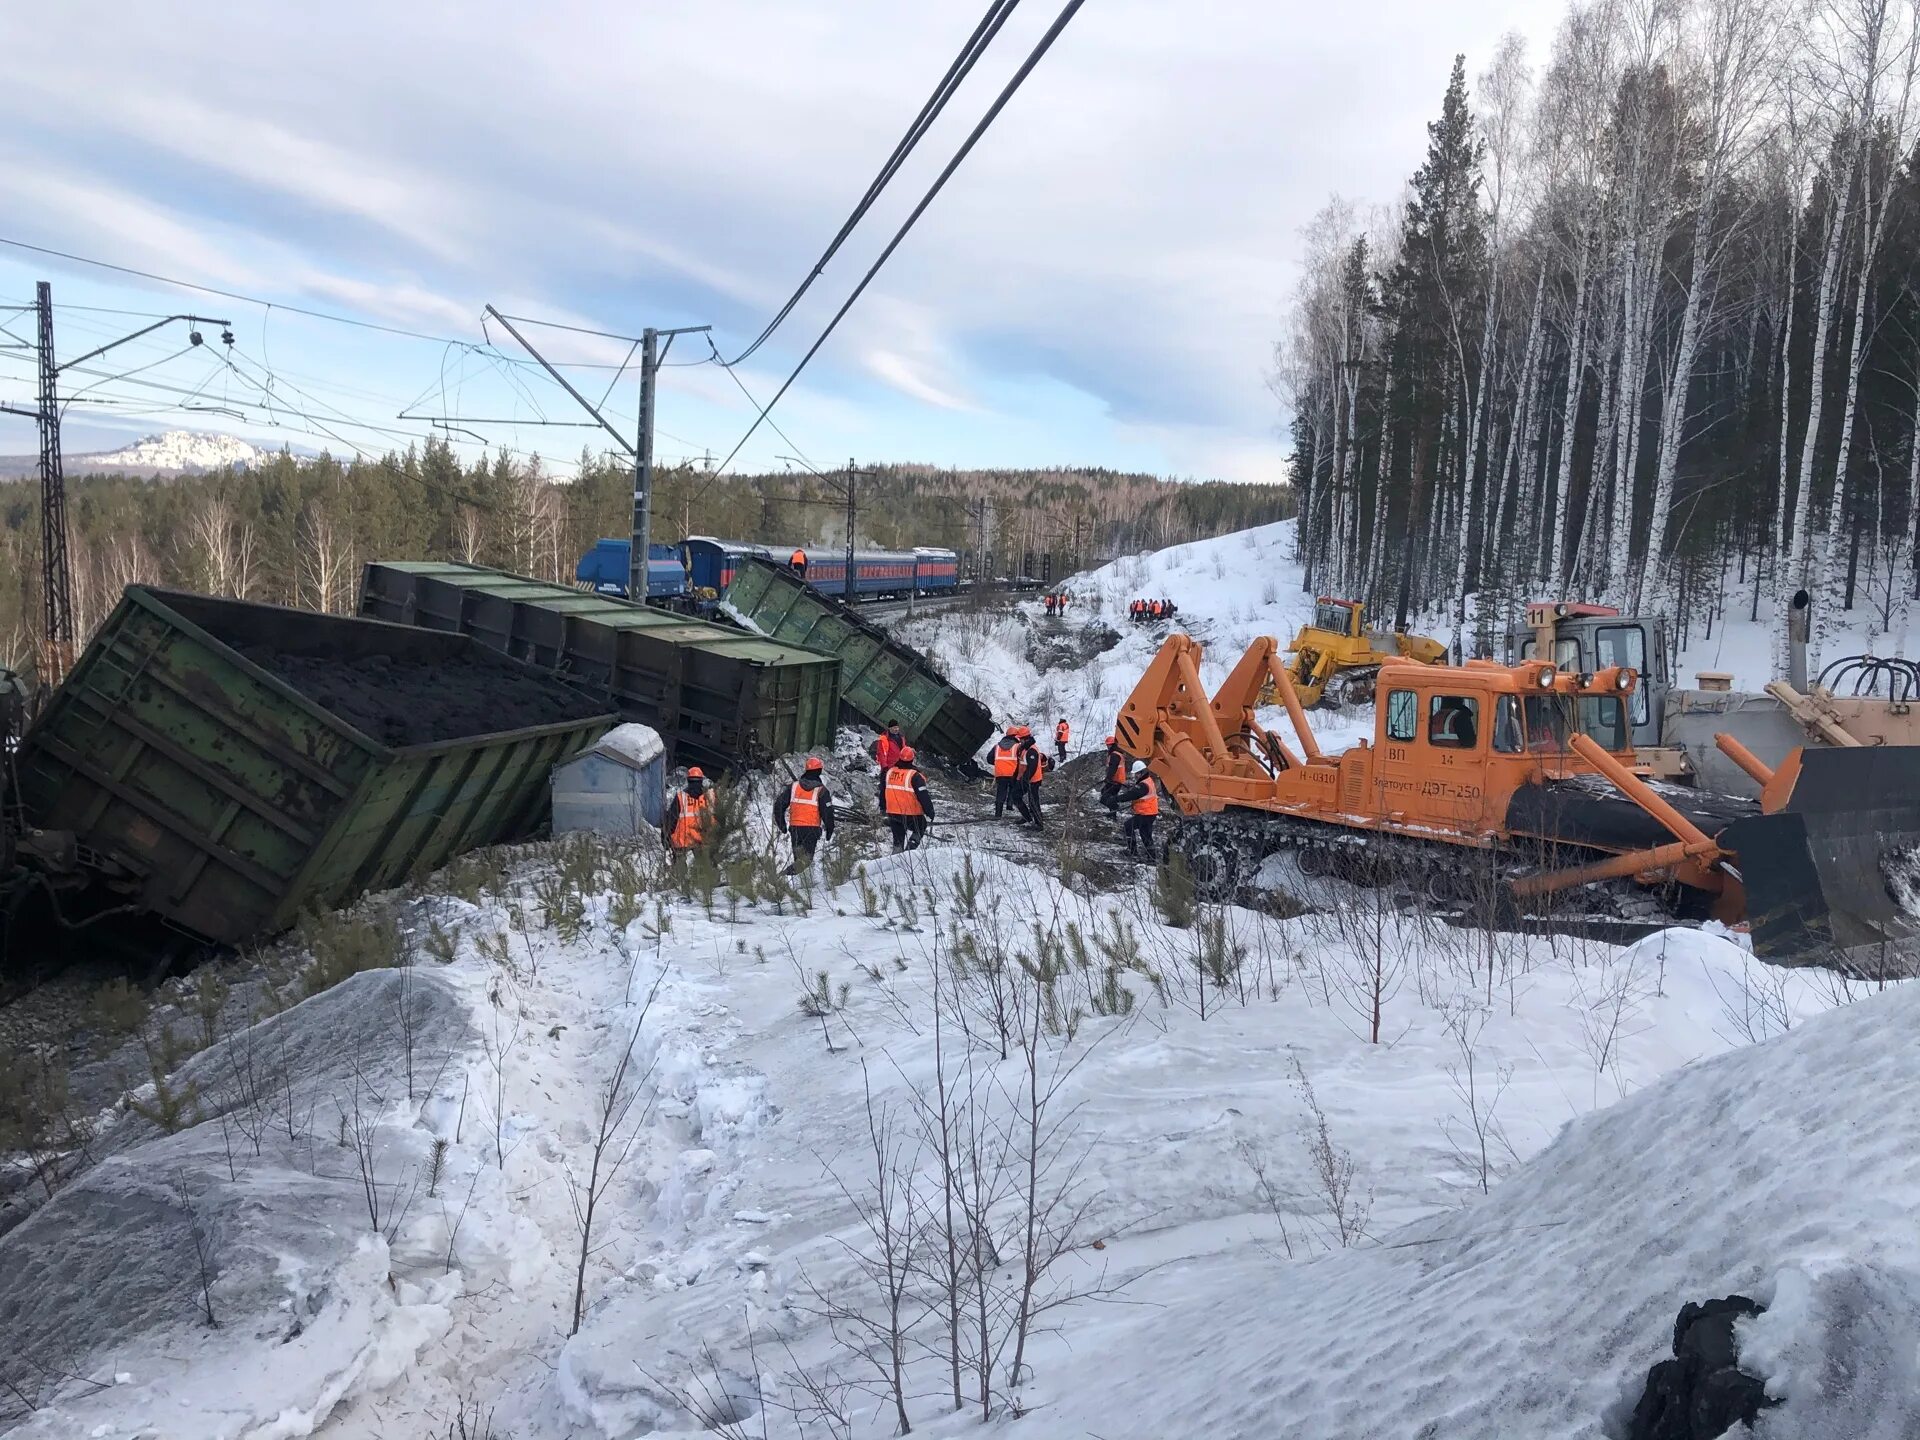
x=797, y=562
x=888, y=745
x=1061, y=734
x=685, y=823
x=803, y=812
x=908, y=805
x=1113, y=777
x=1142, y=798
x=1033, y=769
x=1006, y=770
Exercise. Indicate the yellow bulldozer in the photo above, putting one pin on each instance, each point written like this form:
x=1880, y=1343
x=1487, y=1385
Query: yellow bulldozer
x=1336, y=658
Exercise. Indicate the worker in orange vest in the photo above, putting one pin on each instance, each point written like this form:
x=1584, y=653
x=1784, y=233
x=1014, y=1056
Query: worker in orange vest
x=904, y=798
x=1115, y=776
x=684, y=825
x=1142, y=798
x=1062, y=732
x=1006, y=770
x=1033, y=769
x=803, y=812
x=887, y=748
x=797, y=562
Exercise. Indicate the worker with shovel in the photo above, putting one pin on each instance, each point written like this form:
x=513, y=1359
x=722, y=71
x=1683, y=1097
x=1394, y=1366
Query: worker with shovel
x=803, y=812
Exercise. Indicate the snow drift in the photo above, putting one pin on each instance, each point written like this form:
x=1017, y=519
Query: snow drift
x=1788, y=1171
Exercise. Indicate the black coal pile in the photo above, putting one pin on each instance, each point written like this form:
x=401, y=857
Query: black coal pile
x=1701, y=1393
x=402, y=701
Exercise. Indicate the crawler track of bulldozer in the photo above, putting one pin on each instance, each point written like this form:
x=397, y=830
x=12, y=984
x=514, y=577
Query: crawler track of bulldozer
x=1224, y=852
x=1508, y=795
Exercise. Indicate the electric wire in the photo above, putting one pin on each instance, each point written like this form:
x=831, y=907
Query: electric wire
x=963, y=63
x=973, y=138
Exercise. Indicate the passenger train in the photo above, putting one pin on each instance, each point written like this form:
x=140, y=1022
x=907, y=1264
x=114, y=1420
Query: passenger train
x=699, y=569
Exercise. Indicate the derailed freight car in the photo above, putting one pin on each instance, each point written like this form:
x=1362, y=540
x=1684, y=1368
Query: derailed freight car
x=233, y=764
x=716, y=695
x=882, y=680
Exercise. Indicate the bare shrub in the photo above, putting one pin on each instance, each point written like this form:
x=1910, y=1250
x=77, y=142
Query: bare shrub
x=1337, y=1189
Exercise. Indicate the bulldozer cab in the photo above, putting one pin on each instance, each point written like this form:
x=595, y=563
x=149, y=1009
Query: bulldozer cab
x=1589, y=638
x=1339, y=617
x=1452, y=744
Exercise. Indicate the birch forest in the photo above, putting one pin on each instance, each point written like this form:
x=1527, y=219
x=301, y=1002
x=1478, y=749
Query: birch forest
x=1643, y=329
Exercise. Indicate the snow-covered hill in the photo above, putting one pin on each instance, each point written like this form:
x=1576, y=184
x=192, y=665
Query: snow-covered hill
x=178, y=451
x=1230, y=591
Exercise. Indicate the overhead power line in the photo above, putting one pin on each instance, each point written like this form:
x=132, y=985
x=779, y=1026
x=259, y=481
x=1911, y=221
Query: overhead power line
x=963, y=63
x=1000, y=103
x=302, y=310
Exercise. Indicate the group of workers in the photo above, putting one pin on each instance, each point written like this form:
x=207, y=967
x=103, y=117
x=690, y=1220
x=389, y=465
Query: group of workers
x=1056, y=603
x=1145, y=612
x=1019, y=767
x=803, y=809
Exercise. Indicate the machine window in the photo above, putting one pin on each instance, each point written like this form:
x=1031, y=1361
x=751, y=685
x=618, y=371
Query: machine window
x=1403, y=715
x=1566, y=653
x=1549, y=723
x=1625, y=645
x=1507, y=738
x=1453, y=722
x=1603, y=720
x=1329, y=616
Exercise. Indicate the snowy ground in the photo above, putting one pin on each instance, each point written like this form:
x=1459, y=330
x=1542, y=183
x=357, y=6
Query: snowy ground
x=728, y=1257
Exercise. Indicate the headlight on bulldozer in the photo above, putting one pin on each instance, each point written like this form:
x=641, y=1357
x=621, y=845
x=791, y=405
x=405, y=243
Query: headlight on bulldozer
x=1545, y=678
x=1624, y=680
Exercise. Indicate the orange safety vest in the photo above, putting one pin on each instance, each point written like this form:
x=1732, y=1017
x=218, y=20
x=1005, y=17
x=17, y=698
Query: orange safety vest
x=1061, y=732
x=1006, y=759
x=1116, y=767
x=798, y=558
x=693, y=814
x=1149, y=803
x=887, y=750
x=901, y=799
x=803, y=807
x=1156, y=609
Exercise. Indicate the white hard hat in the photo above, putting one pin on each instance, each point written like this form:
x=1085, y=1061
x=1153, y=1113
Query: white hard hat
x=1139, y=768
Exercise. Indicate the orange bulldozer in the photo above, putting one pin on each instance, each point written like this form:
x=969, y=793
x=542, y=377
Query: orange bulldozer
x=1533, y=768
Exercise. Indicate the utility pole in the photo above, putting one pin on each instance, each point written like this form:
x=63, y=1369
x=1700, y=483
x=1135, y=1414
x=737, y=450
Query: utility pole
x=56, y=570
x=56, y=574
x=852, y=481
x=652, y=356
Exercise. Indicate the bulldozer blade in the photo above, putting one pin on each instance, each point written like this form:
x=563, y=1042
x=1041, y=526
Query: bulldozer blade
x=1833, y=877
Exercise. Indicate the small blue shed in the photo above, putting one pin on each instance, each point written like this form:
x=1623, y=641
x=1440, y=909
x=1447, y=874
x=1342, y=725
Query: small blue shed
x=614, y=787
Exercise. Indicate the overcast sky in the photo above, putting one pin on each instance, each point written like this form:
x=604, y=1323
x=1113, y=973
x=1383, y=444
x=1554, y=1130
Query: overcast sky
x=1101, y=283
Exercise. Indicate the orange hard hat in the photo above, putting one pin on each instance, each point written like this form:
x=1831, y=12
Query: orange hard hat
x=1108, y=740
x=906, y=755
x=694, y=772
x=813, y=763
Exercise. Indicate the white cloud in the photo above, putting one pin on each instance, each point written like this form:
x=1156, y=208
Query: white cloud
x=1129, y=229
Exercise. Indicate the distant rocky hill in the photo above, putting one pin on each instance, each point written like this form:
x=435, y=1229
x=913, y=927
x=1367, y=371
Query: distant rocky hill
x=173, y=452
